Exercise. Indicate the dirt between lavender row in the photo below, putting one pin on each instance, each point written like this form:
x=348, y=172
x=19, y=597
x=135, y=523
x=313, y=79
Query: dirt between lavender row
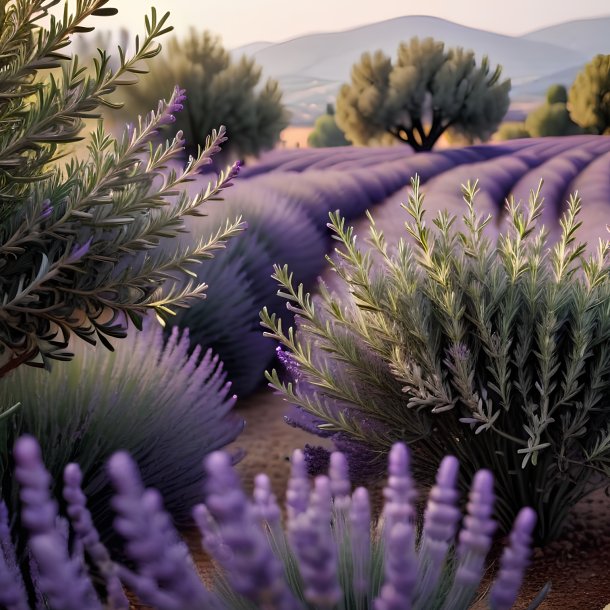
x=578, y=565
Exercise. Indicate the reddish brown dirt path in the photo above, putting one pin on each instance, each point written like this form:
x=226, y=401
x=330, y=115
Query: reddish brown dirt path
x=578, y=565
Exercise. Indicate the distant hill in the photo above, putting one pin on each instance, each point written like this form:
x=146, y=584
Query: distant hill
x=585, y=36
x=311, y=68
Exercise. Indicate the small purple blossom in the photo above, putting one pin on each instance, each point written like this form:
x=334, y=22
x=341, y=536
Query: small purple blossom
x=175, y=104
x=475, y=538
x=47, y=210
x=360, y=539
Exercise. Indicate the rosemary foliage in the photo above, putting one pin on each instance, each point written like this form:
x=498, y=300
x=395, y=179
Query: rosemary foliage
x=78, y=242
x=495, y=352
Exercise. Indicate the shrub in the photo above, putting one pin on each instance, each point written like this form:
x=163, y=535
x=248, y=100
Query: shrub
x=428, y=91
x=78, y=245
x=221, y=91
x=589, y=96
x=553, y=117
x=168, y=409
x=512, y=130
x=240, y=279
x=325, y=132
x=497, y=353
x=329, y=556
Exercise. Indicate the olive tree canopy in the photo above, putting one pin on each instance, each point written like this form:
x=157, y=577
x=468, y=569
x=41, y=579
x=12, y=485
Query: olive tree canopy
x=589, y=97
x=429, y=90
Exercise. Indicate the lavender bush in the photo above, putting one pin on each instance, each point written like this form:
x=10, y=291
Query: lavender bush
x=167, y=407
x=496, y=352
x=328, y=557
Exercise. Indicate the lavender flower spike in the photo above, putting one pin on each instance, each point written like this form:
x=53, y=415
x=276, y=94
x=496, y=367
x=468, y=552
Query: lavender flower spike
x=475, y=540
x=400, y=570
x=514, y=562
x=82, y=523
x=168, y=578
x=61, y=579
x=360, y=539
x=12, y=589
x=298, y=488
x=316, y=548
x=441, y=520
x=399, y=492
x=252, y=569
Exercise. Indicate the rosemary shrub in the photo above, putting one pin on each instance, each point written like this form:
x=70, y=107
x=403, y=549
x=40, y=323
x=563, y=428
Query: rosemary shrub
x=78, y=244
x=497, y=352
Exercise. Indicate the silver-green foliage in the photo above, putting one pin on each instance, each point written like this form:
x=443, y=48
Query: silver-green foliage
x=78, y=243
x=496, y=352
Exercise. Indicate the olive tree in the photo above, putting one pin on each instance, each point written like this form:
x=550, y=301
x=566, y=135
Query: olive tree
x=326, y=132
x=429, y=90
x=222, y=90
x=589, y=96
x=553, y=117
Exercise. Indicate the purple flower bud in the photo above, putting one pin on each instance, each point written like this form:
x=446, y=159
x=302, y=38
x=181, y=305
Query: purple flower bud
x=79, y=251
x=514, y=561
x=265, y=504
x=47, y=210
x=339, y=477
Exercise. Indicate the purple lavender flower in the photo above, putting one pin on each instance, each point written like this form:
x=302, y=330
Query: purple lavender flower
x=298, y=488
x=441, y=520
x=400, y=569
x=514, y=561
x=60, y=578
x=475, y=539
x=78, y=252
x=175, y=104
x=360, y=540
x=47, y=210
x=252, y=569
x=85, y=531
x=164, y=564
x=399, y=492
x=315, y=548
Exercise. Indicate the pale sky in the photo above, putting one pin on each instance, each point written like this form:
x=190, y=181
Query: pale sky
x=243, y=21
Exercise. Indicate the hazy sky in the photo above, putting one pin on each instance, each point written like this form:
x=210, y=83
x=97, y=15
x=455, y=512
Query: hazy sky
x=243, y=21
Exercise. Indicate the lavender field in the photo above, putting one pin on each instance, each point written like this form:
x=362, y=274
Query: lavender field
x=286, y=196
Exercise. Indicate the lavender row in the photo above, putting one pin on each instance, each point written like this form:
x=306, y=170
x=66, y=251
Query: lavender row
x=330, y=554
